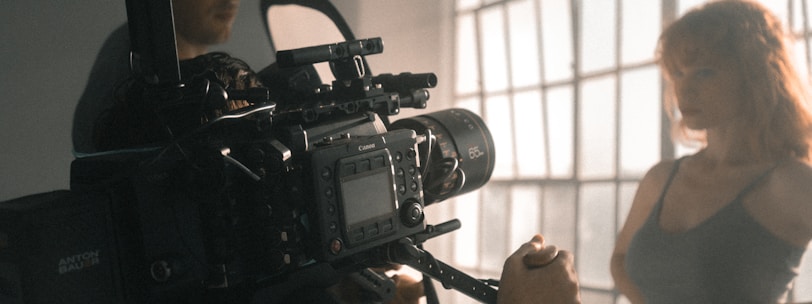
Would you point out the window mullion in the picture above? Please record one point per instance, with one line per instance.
(510, 90)
(805, 17)
(575, 5)
(548, 163)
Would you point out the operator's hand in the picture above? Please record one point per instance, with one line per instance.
(538, 274)
(409, 290)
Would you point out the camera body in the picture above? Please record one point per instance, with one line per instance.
(271, 203)
(331, 191)
(367, 192)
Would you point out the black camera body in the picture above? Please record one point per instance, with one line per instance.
(266, 204)
(352, 218)
(308, 186)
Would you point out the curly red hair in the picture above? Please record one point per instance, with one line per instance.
(749, 34)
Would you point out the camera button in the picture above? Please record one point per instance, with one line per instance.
(336, 246)
(348, 169)
(161, 271)
(411, 213)
(402, 173)
(326, 173)
(372, 230)
(328, 192)
(411, 154)
(399, 156)
(364, 165)
(386, 225)
(358, 235)
(402, 189)
(378, 162)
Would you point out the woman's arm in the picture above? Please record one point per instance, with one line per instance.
(648, 193)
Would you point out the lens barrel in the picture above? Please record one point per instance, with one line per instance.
(460, 135)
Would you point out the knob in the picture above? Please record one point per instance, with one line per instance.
(411, 213)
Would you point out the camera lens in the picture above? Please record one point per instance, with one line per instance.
(459, 158)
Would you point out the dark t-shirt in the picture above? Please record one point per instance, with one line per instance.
(729, 258)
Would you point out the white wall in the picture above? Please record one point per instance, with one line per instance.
(45, 57)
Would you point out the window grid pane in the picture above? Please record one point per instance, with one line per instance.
(467, 65)
(529, 125)
(640, 106)
(525, 214)
(559, 212)
(524, 55)
(492, 34)
(466, 239)
(556, 29)
(467, 4)
(595, 234)
(639, 38)
(598, 22)
(596, 129)
(493, 228)
(497, 116)
(561, 118)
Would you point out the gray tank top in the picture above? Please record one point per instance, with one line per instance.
(729, 258)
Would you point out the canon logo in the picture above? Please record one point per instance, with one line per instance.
(366, 147)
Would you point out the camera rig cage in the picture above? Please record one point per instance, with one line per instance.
(308, 186)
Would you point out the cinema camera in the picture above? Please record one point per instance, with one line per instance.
(308, 186)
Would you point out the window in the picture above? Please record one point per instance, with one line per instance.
(572, 95)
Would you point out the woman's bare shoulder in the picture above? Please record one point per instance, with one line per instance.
(652, 184)
(659, 173)
(793, 179)
(646, 197)
(791, 190)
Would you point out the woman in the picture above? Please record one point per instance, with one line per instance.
(730, 223)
